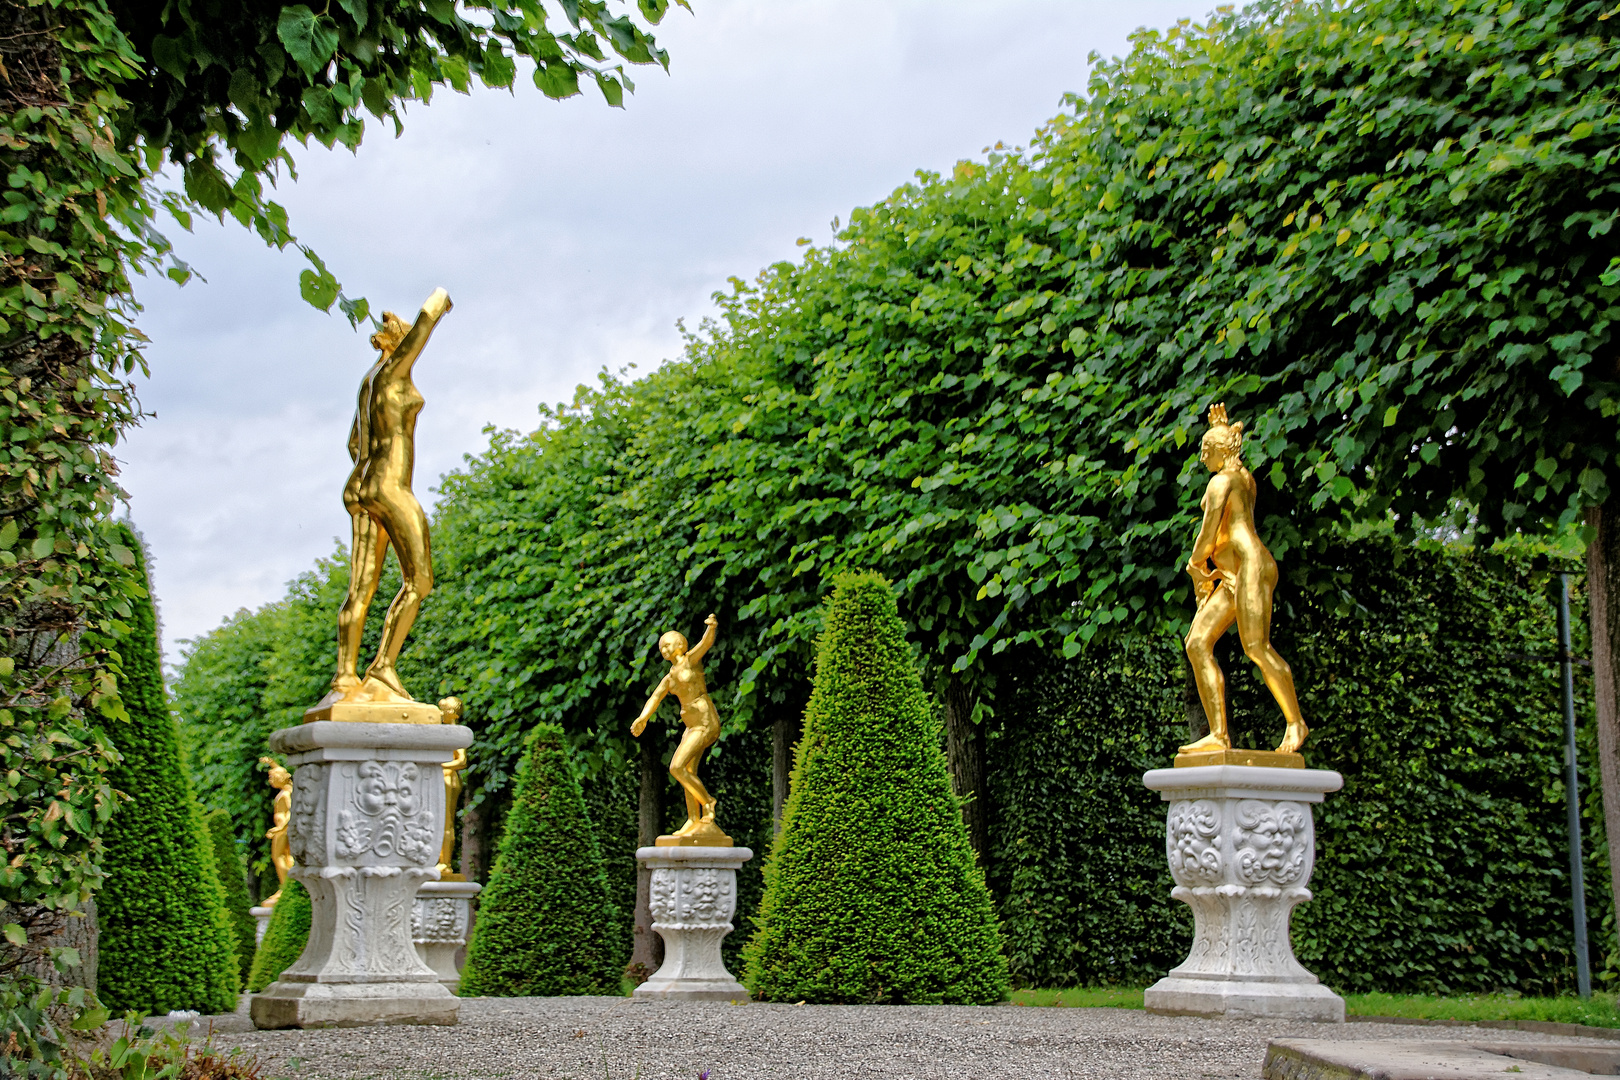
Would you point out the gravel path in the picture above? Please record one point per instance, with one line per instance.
(603, 1038)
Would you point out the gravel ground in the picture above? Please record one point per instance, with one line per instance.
(611, 1038)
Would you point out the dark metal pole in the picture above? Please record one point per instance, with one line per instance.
(1572, 793)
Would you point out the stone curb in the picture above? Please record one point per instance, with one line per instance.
(1544, 1027)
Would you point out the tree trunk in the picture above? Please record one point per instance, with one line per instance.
(964, 751)
(782, 735)
(1191, 704)
(473, 857)
(1603, 588)
(647, 950)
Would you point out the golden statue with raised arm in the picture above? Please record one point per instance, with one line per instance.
(450, 707)
(685, 681)
(1238, 590)
(280, 814)
(384, 513)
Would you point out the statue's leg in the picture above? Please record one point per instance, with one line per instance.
(367, 549)
(683, 767)
(1254, 628)
(1214, 616)
(407, 528)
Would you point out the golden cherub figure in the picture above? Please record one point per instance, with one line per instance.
(1239, 589)
(280, 814)
(685, 681)
(450, 708)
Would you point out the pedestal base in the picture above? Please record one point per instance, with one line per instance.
(1235, 1000)
(1241, 846)
(694, 893)
(439, 921)
(311, 1005)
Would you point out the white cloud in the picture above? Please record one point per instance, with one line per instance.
(571, 236)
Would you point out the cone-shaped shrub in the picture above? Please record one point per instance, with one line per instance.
(545, 922)
(284, 938)
(871, 891)
(165, 940)
(232, 879)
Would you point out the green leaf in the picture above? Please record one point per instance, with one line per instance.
(357, 11)
(611, 90)
(170, 54)
(8, 533)
(16, 934)
(318, 288)
(556, 79)
(309, 39)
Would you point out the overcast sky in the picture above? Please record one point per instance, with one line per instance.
(571, 236)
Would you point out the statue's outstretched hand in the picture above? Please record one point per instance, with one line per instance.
(711, 621)
(639, 726)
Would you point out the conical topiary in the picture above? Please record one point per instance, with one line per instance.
(545, 921)
(165, 941)
(284, 938)
(872, 894)
(232, 879)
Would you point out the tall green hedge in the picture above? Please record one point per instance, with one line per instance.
(165, 939)
(233, 879)
(546, 923)
(284, 938)
(872, 894)
(1441, 864)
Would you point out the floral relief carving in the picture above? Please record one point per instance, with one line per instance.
(1192, 841)
(1270, 842)
(306, 829)
(661, 897)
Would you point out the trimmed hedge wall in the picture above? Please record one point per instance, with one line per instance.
(284, 938)
(1441, 866)
(872, 893)
(165, 941)
(546, 924)
(233, 879)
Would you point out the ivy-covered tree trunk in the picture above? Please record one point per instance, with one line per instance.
(1603, 588)
(647, 949)
(964, 750)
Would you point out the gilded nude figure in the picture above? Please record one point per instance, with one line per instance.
(383, 509)
(1238, 589)
(685, 680)
(280, 813)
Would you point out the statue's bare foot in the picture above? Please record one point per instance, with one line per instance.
(1208, 744)
(687, 829)
(1294, 738)
(382, 684)
(708, 812)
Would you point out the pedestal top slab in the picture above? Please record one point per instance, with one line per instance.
(332, 740)
(729, 856)
(449, 890)
(1242, 782)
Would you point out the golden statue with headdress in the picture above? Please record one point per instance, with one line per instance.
(1236, 589)
(384, 513)
(280, 813)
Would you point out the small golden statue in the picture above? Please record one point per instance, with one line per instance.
(384, 513)
(450, 708)
(280, 814)
(1238, 590)
(685, 681)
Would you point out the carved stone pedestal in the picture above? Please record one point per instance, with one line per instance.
(694, 893)
(1241, 845)
(261, 916)
(439, 926)
(367, 819)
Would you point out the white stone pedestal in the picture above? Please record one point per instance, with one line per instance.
(367, 820)
(439, 921)
(261, 916)
(694, 894)
(1241, 845)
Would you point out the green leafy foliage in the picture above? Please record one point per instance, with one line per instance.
(1441, 866)
(872, 894)
(233, 880)
(165, 940)
(284, 938)
(545, 921)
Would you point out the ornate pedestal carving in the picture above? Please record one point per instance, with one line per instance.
(694, 893)
(261, 916)
(1241, 845)
(439, 926)
(367, 816)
